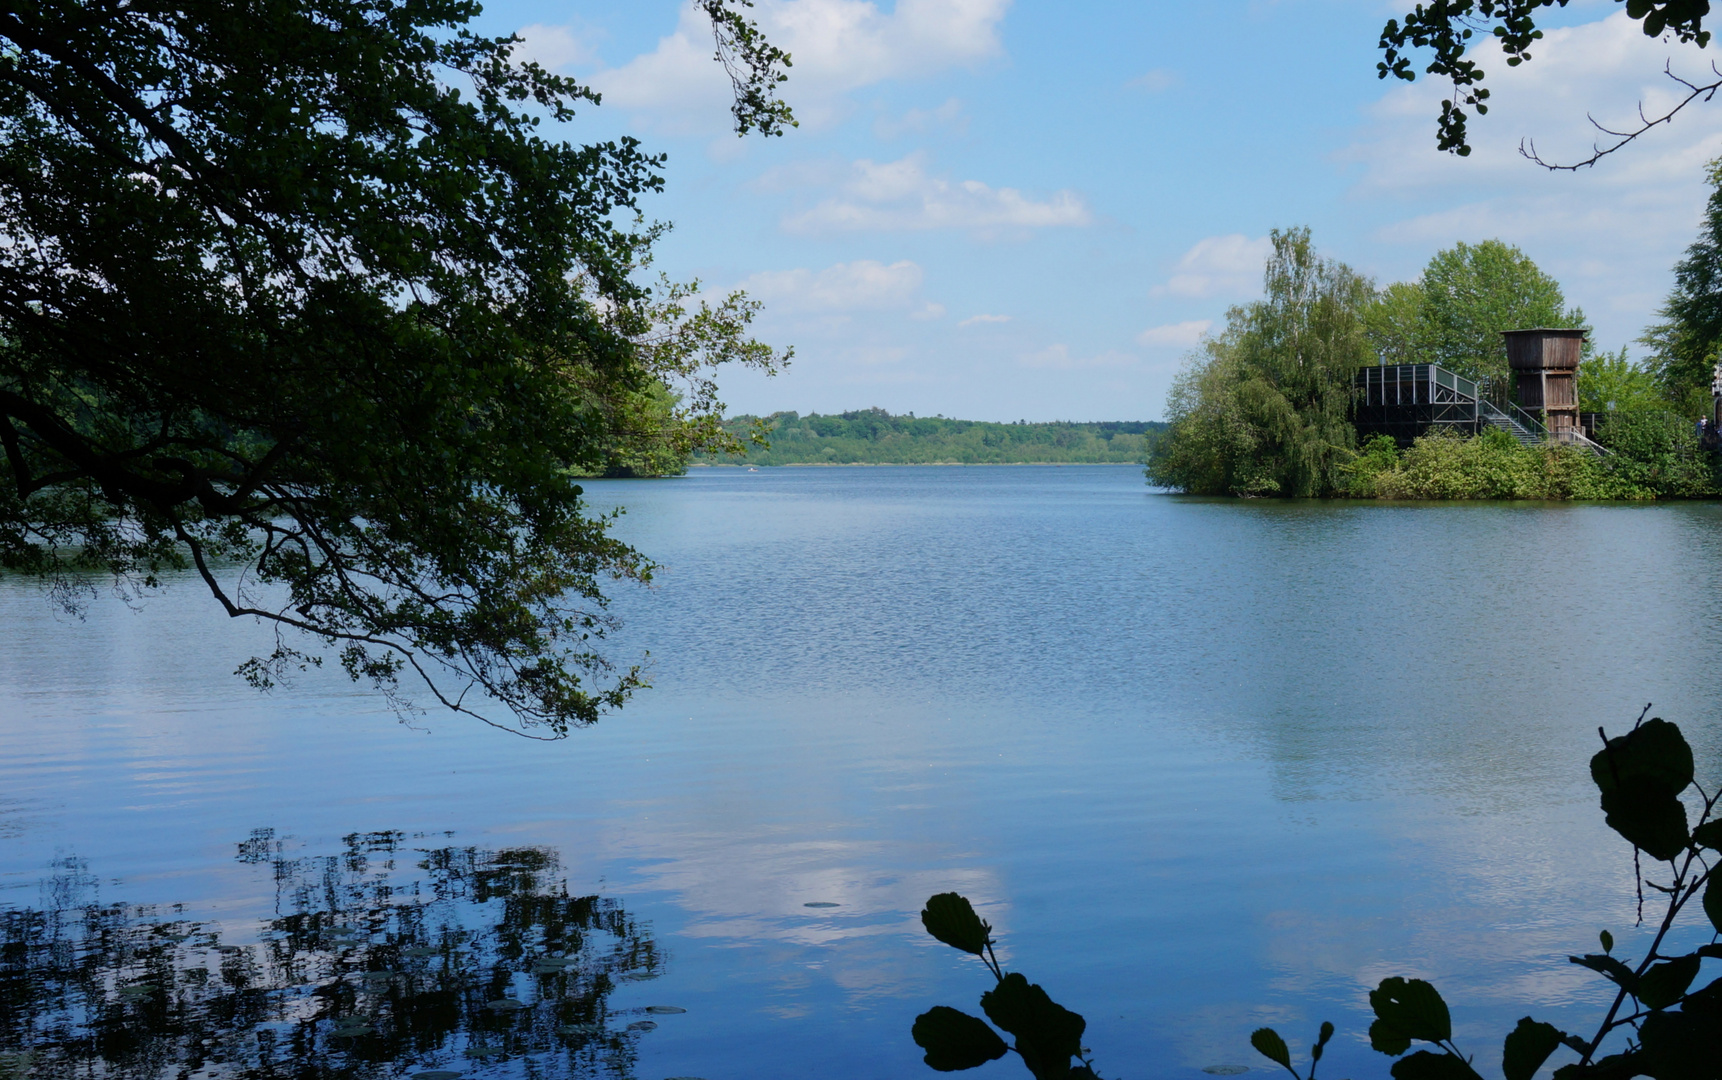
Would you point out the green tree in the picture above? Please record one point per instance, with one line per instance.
(1394, 321)
(1609, 381)
(1263, 408)
(1472, 292)
(296, 293)
(1686, 341)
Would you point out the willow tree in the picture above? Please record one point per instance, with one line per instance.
(297, 293)
(1263, 408)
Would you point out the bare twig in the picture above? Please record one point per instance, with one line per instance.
(1707, 91)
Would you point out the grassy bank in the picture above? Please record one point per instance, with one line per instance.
(876, 437)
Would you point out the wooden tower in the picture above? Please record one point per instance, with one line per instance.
(1546, 362)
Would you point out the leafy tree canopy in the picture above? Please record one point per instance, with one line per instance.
(1686, 342)
(1610, 382)
(1454, 315)
(1262, 409)
(1448, 28)
(296, 292)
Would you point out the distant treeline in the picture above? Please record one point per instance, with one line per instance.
(875, 437)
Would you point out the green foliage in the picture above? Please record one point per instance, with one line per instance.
(1262, 409)
(1685, 343)
(950, 918)
(296, 294)
(1527, 1047)
(1447, 28)
(1407, 1010)
(1655, 456)
(1609, 382)
(655, 430)
(1395, 323)
(1047, 1035)
(1641, 775)
(954, 1040)
(1270, 1045)
(1669, 1031)
(876, 437)
(1490, 466)
(1454, 314)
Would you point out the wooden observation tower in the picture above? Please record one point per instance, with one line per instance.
(1546, 362)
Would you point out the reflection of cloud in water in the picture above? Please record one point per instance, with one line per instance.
(749, 889)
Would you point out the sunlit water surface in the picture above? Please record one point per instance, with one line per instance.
(1204, 765)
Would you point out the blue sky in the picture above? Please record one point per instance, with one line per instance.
(1025, 210)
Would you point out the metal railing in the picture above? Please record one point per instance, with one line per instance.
(1435, 388)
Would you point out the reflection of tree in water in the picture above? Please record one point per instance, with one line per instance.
(379, 962)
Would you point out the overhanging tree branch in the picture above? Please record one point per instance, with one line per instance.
(1695, 92)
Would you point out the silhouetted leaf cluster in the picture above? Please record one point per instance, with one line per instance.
(1671, 1032)
(1047, 1035)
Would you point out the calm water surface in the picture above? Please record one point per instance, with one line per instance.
(1203, 764)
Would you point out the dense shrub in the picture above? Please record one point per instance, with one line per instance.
(1657, 451)
(1654, 457)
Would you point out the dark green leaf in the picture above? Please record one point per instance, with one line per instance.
(1047, 1034)
(950, 918)
(1426, 1066)
(1708, 835)
(1713, 900)
(1407, 1010)
(955, 1040)
(1654, 757)
(1614, 1067)
(1607, 940)
(1664, 983)
(1648, 819)
(1616, 972)
(1268, 1043)
(1528, 1046)
(1681, 1046)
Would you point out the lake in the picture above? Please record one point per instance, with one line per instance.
(1203, 764)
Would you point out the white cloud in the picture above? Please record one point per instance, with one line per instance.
(1182, 334)
(900, 196)
(1219, 266)
(975, 320)
(863, 285)
(1604, 69)
(1058, 357)
(554, 47)
(838, 46)
(947, 117)
(1609, 233)
(1154, 81)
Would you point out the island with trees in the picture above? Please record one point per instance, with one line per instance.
(1267, 406)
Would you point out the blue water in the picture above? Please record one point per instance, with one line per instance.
(1204, 765)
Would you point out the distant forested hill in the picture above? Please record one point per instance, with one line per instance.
(875, 437)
